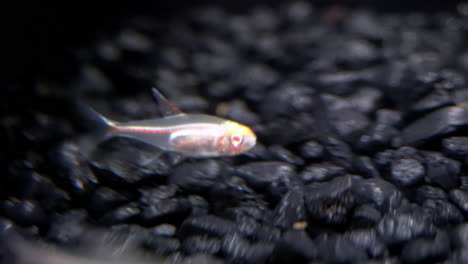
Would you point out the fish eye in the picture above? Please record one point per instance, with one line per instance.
(236, 140)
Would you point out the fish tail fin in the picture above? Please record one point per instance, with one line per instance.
(100, 126)
(104, 127)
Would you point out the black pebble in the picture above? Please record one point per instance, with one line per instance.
(259, 152)
(263, 174)
(166, 230)
(356, 53)
(319, 172)
(93, 79)
(210, 17)
(438, 98)
(67, 229)
(384, 195)
(330, 202)
(235, 191)
(338, 152)
(174, 58)
(427, 250)
(295, 246)
(248, 226)
(285, 155)
(429, 192)
(366, 216)
(287, 100)
(162, 245)
(72, 167)
(129, 161)
(266, 233)
(441, 170)
(460, 96)
(339, 249)
(121, 214)
(380, 134)
(199, 258)
(389, 117)
(6, 225)
(290, 209)
(148, 196)
(208, 225)
(238, 249)
(459, 256)
(311, 150)
(383, 160)
(456, 147)
(201, 244)
(103, 198)
(338, 82)
(460, 236)
(256, 78)
(397, 228)
(26, 183)
(368, 239)
(460, 198)
(364, 166)
(288, 131)
(367, 25)
(221, 89)
(134, 41)
(347, 120)
(407, 172)
(238, 111)
(435, 124)
(164, 209)
(298, 12)
(207, 65)
(24, 212)
(197, 176)
(443, 213)
(366, 100)
(198, 205)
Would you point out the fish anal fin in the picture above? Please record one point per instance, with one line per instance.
(165, 107)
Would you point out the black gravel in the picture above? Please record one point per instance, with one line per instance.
(360, 113)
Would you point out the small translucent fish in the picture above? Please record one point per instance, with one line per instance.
(194, 135)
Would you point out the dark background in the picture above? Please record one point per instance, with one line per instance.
(40, 36)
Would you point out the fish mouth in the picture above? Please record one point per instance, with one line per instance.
(250, 142)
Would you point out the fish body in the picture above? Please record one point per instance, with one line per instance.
(194, 135)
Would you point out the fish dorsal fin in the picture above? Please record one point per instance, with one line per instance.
(165, 107)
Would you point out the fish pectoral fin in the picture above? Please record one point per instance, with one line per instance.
(165, 107)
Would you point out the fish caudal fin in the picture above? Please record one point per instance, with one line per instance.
(102, 127)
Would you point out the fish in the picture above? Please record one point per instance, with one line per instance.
(192, 135)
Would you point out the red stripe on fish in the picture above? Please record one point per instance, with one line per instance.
(150, 130)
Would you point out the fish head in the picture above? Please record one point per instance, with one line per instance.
(239, 138)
